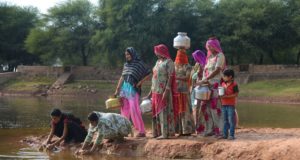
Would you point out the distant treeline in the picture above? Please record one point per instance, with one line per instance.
(80, 33)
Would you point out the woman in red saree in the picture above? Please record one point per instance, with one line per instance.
(164, 94)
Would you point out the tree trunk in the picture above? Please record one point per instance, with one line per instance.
(83, 55)
(261, 59)
(272, 57)
(298, 57)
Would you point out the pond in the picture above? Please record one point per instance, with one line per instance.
(24, 116)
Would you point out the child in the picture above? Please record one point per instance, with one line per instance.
(228, 103)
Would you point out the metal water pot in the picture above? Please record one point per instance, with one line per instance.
(221, 91)
(202, 93)
(182, 41)
(146, 106)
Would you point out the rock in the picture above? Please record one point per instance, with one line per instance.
(56, 87)
(93, 90)
(44, 94)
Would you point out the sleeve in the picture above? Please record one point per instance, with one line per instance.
(220, 60)
(170, 67)
(89, 137)
(188, 70)
(99, 138)
(235, 89)
(66, 120)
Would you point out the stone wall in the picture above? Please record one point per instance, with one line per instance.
(40, 71)
(251, 73)
(4, 77)
(244, 73)
(78, 72)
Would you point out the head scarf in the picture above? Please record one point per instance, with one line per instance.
(133, 54)
(214, 43)
(181, 57)
(162, 50)
(200, 57)
(135, 69)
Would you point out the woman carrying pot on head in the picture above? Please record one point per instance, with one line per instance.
(212, 75)
(135, 72)
(183, 71)
(196, 75)
(164, 94)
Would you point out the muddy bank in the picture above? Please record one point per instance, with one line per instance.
(266, 143)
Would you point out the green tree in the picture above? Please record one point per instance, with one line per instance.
(66, 33)
(15, 24)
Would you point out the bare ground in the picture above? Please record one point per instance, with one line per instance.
(251, 144)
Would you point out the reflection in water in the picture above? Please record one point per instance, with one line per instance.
(25, 116)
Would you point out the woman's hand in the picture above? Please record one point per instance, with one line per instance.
(117, 92)
(50, 146)
(139, 84)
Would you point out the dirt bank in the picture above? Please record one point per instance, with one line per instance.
(251, 144)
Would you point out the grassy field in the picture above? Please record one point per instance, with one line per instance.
(271, 88)
(23, 84)
(289, 88)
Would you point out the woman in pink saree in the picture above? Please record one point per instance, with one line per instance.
(212, 75)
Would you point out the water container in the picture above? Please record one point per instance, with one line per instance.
(221, 91)
(182, 41)
(202, 93)
(146, 106)
(113, 103)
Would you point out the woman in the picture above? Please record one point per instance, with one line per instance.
(135, 72)
(212, 75)
(183, 71)
(196, 75)
(67, 127)
(164, 94)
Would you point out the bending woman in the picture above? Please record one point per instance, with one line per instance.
(67, 127)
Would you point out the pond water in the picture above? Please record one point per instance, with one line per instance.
(25, 116)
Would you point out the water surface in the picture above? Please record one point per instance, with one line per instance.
(25, 116)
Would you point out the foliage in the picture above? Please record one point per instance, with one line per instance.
(15, 23)
(65, 33)
(250, 31)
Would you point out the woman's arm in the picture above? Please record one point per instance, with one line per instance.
(65, 132)
(50, 135)
(230, 96)
(143, 80)
(149, 95)
(214, 73)
(119, 86)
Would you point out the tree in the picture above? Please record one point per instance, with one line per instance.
(66, 33)
(15, 24)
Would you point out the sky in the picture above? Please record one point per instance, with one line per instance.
(42, 5)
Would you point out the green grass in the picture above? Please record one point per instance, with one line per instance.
(271, 88)
(27, 84)
(91, 84)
